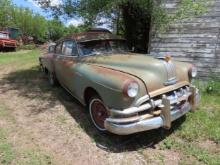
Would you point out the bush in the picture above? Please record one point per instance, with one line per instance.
(27, 47)
(210, 86)
(213, 86)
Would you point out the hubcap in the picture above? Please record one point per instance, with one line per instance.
(98, 113)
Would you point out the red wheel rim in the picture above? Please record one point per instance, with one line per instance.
(99, 114)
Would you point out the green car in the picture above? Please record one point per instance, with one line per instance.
(125, 92)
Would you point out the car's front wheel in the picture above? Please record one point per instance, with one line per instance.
(98, 113)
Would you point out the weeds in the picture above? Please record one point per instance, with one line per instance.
(7, 154)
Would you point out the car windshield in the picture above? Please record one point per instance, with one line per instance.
(4, 35)
(102, 46)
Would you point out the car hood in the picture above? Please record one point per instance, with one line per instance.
(7, 40)
(150, 70)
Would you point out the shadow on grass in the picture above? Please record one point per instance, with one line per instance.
(32, 84)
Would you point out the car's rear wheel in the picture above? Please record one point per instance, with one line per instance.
(98, 113)
(52, 79)
(42, 68)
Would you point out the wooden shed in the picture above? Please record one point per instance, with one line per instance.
(195, 40)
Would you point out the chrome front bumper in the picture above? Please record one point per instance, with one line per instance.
(169, 114)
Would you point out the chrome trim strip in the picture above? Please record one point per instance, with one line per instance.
(123, 120)
(171, 81)
(142, 100)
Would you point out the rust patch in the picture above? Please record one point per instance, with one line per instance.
(66, 67)
(122, 57)
(48, 56)
(119, 76)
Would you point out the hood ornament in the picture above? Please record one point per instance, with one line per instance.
(170, 68)
(166, 57)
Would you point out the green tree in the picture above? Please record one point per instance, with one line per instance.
(55, 29)
(76, 29)
(131, 18)
(29, 24)
(5, 8)
(39, 28)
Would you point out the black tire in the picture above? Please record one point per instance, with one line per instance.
(52, 79)
(41, 68)
(98, 113)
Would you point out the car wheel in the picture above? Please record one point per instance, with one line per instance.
(52, 79)
(42, 68)
(98, 113)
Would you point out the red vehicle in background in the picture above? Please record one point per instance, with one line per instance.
(6, 43)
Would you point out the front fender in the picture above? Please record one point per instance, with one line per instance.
(109, 84)
(182, 71)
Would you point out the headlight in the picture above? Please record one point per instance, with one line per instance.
(193, 71)
(131, 89)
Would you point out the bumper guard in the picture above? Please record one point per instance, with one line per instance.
(168, 114)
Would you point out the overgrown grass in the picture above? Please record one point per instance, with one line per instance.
(204, 123)
(191, 149)
(32, 157)
(27, 47)
(20, 57)
(210, 86)
(7, 153)
(20, 60)
(200, 126)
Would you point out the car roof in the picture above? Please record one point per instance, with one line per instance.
(91, 36)
(99, 30)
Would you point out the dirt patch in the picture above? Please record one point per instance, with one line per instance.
(210, 146)
(56, 123)
(168, 157)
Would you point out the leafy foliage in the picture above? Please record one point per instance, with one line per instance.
(33, 25)
(29, 23)
(55, 29)
(5, 13)
(131, 18)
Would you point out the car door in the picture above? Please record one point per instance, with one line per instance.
(58, 57)
(66, 64)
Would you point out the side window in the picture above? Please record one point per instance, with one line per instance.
(51, 49)
(69, 48)
(58, 48)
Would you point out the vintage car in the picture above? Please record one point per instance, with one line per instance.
(6, 43)
(125, 92)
